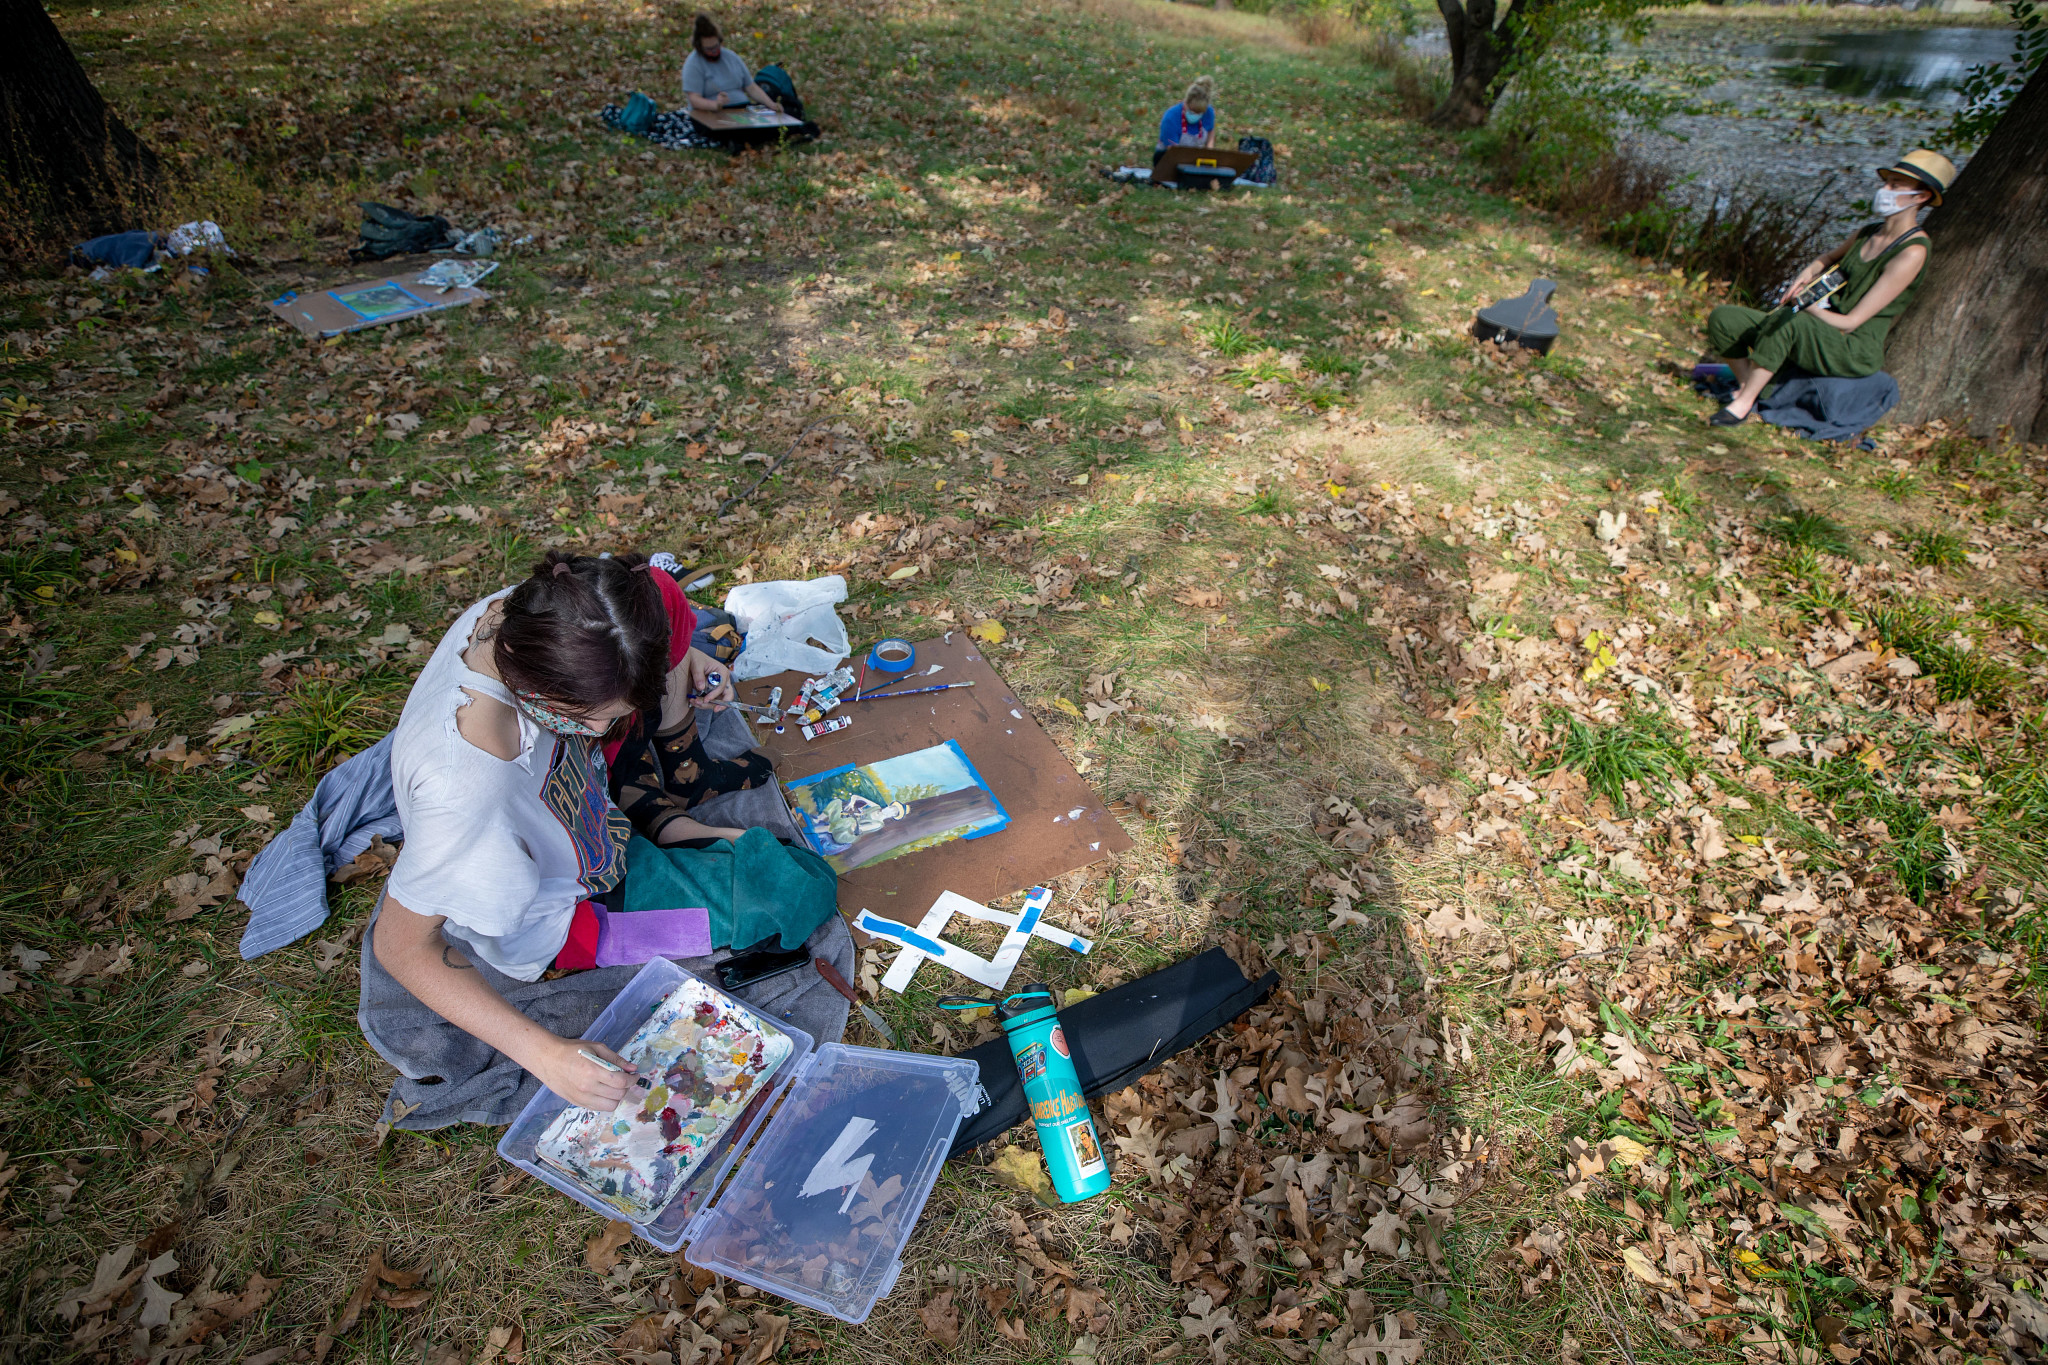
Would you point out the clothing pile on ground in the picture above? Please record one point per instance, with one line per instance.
(151, 251)
(673, 129)
(388, 232)
(1820, 407)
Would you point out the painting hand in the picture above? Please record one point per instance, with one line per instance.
(564, 1069)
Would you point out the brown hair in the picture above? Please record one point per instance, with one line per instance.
(701, 30)
(585, 632)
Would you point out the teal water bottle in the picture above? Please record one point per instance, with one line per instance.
(1066, 1130)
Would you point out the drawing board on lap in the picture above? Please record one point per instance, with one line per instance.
(1056, 821)
(737, 117)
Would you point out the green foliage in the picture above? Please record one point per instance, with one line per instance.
(1567, 95)
(1936, 549)
(1801, 528)
(1896, 484)
(1988, 91)
(1638, 748)
(1226, 338)
(1959, 671)
(1264, 369)
(1915, 846)
(320, 722)
(28, 576)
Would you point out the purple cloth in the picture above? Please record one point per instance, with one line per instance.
(627, 940)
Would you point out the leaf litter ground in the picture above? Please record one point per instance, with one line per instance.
(1643, 821)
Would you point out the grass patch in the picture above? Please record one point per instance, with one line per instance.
(1936, 550)
(1805, 529)
(1628, 760)
(317, 724)
(1227, 339)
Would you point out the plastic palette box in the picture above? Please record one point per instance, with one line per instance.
(817, 1186)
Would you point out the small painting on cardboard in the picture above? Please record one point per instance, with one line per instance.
(870, 812)
(375, 302)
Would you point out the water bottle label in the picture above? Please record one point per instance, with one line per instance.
(1088, 1159)
(1031, 1061)
(1059, 1041)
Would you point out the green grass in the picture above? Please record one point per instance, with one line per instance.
(316, 725)
(1805, 529)
(1225, 337)
(1936, 550)
(1636, 749)
(1927, 636)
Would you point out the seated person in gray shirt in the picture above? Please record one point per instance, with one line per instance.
(714, 77)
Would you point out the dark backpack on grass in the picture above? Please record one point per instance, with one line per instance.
(777, 82)
(387, 231)
(1263, 173)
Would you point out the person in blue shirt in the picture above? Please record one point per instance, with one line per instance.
(1192, 122)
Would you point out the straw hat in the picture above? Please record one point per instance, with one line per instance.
(1931, 169)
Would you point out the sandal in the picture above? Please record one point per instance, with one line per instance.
(1724, 418)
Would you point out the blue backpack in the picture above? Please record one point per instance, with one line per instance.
(638, 115)
(777, 82)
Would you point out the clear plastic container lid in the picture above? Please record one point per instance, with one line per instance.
(819, 1211)
(615, 1027)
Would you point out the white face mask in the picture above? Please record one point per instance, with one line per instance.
(1889, 201)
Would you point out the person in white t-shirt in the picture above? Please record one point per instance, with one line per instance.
(500, 780)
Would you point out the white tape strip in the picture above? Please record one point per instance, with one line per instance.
(992, 973)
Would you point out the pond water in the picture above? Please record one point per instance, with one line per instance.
(1922, 65)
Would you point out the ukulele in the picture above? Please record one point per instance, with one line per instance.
(1526, 320)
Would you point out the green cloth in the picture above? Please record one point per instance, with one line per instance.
(1781, 335)
(753, 886)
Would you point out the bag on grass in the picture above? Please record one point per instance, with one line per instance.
(788, 625)
(1263, 173)
(638, 115)
(387, 231)
(777, 82)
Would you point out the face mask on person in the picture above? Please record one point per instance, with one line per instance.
(547, 718)
(1889, 201)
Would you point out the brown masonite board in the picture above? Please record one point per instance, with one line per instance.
(1057, 821)
(742, 118)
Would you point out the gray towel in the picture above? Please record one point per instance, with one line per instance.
(446, 1076)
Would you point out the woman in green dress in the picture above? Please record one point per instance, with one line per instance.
(1843, 337)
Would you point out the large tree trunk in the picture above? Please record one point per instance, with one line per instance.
(66, 160)
(1479, 50)
(1973, 349)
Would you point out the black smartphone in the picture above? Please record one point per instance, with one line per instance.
(759, 963)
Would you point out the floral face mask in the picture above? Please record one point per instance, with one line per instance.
(547, 718)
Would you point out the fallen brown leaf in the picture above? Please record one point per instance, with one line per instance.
(942, 1319)
(601, 1250)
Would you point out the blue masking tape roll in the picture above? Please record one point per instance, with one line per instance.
(892, 656)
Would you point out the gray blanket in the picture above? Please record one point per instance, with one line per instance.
(1829, 409)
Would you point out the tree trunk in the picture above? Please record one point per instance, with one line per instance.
(921, 820)
(1973, 349)
(67, 161)
(1478, 52)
